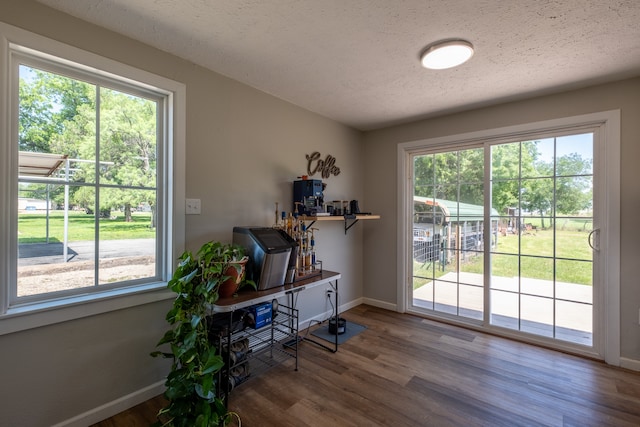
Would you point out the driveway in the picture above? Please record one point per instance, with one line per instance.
(52, 253)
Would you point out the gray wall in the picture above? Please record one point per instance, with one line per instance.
(244, 149)
(380, 153)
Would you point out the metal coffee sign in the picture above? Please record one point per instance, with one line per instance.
(326, 167)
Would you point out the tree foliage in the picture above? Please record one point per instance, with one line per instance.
(47, 102)
(454, 175)
(521, 178)
(60, 115)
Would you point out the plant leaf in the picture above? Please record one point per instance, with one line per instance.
(195, 321)
(167, 338)
(213, 364)
(161, 354)
(200, 392)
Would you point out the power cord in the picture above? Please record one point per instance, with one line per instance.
(320, 322)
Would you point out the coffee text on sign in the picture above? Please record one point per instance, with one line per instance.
(327, 166)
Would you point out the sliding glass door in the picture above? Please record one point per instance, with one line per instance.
(501, 235)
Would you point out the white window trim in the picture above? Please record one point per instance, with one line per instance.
(44, 313)
(609, 123)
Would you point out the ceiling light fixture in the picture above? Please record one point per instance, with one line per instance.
(446, 54)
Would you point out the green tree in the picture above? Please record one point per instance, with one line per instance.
(58, 115)
(505, 186)
(128, 149)
(520, 178)
(454, 175)
(536, 194)
(47, 102)
(471, 176)
(574, 189)
(35, 119)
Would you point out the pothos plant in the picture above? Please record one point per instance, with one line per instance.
(191, 384)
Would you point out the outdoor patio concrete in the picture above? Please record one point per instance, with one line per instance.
(573, 304)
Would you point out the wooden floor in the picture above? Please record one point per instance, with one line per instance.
(408, 371)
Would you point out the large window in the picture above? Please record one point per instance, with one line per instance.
(87, 182)
(89, 150)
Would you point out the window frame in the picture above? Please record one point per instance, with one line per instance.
(20, 315)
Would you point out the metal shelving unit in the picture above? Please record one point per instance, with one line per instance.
(249, 352)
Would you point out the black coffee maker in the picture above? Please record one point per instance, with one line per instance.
(308, 196)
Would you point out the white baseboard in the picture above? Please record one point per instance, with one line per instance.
(380, 304)
(356, 302)
(304, 324)
(631, 364)
(114, 407)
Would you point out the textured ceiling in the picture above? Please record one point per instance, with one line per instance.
(357, 61)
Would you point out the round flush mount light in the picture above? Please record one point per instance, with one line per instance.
(446, 54)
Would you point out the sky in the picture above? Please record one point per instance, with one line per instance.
(581, 144)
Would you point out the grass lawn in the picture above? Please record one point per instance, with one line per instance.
(573, 223)
(536, 250)
(32, 227)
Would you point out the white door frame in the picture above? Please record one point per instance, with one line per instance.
(606, 202)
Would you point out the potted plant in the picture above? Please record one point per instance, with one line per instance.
(191, 384)
(231, 261)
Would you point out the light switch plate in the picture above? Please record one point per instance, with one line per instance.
(193, 206)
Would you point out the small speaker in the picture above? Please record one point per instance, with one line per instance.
(338, 327)
(353, 207)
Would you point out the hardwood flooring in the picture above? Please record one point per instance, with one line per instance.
(143, 414)
(408, 371)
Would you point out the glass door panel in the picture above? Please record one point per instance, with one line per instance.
(542, 266)
(448, 233)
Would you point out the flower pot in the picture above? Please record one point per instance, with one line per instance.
(236, 272)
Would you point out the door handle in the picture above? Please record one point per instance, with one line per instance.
(597, 241)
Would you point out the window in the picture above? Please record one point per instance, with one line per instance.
(89, 148)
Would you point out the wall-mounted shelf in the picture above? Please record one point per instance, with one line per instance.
(349, 220)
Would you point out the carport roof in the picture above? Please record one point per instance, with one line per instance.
(39, 164)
